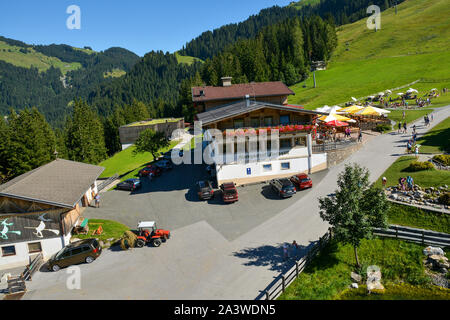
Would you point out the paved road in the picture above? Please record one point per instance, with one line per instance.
(200, 263)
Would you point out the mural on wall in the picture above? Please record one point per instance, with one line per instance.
(29, 227)
(41, 227)
(5, 231)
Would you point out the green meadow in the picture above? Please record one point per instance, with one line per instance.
(412, 45)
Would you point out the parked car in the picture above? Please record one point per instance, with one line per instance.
(164, 165)
(302, 181)
(205, 190)
(155, 170)
(129, 185)
(84, 251)
(229, 193)
(283, 187)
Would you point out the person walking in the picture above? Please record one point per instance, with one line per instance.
(285, 252)
(416, 151)
(384, 182)
(296, 247)
(405, 127)
(97, 200)
(360, 136)
(399, 127)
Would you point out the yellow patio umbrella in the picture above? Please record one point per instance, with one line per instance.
(333, 117)
(351, 109)
(369, 111)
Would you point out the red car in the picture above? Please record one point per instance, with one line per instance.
(301, 181)
(229, 193)
(150, 169)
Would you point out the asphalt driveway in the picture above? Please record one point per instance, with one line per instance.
(172, 202)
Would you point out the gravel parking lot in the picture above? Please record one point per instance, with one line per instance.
(171, 200)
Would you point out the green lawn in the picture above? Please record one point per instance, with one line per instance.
(427, 178)
(437, 140)
(154, 121)
(186, 59)
(32, 58)
(328, 275)
(411, 45)
(398, 292)
(410, 116)
(125, 163)
(111, 230)
(417, 218)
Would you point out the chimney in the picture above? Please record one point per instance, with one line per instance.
(226, 81)
(247, 100)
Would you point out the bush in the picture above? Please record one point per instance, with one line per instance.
(383, 128)
(445, 199)
(443, 158)
(128, 240)
(420, 166)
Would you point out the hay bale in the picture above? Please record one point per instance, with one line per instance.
(128, 240)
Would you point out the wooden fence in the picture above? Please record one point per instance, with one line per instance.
(34, 265)
(425, 237)
(107, 182)
(287, 278)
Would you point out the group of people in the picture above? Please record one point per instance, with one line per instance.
(411, 146)
(287, 248)
(428, 119)
(406, 184)
(422, 103)
(402, 128)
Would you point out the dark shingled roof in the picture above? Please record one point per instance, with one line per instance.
(60, 183)
(243, 107)
(239, 91)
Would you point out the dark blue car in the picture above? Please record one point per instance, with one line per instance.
(129, 185)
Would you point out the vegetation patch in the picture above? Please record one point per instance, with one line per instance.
(328, 275)
(443, 158)
(413, 217)
(426, 178)
(436, 140)
(398, 292)
(111, 230)
(420, 166)
(126, 163)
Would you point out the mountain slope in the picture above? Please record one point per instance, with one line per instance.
(49, 77)
(411, 45)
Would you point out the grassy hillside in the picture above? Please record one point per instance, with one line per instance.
(28, 57)
(186, 59)
(412, 45)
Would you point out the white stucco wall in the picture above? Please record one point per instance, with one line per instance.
(22, 256)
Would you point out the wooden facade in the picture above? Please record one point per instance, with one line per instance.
(208, 105)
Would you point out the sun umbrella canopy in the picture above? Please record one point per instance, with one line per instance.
(411, 90)
(434, 89)
(354, 99)
(388, 91)
(351, 109)
(337, 123)
(371, 111)
(381, 94)
(333, 117)
(400, 93)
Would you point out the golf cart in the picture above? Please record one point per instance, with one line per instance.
(148, 233)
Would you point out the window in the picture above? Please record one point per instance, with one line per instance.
(8, 251)
(34, 247)
(268, 121)
(267, 167)
(284, 120)
(238, 124)
(76, 251)
(285, 165)
(285, 143)
(254, 122)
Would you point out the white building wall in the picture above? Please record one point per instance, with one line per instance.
(22, 256)
(256, 169)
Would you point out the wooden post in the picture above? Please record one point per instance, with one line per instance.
(283, 282)
(423, 237)
(396, 232)
(296, 269)
(267, 295)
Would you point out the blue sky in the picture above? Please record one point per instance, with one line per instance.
(137, 25)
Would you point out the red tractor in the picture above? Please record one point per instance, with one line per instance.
(148, 233)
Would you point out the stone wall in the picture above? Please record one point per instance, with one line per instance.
(337, 156)
(129, 134)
